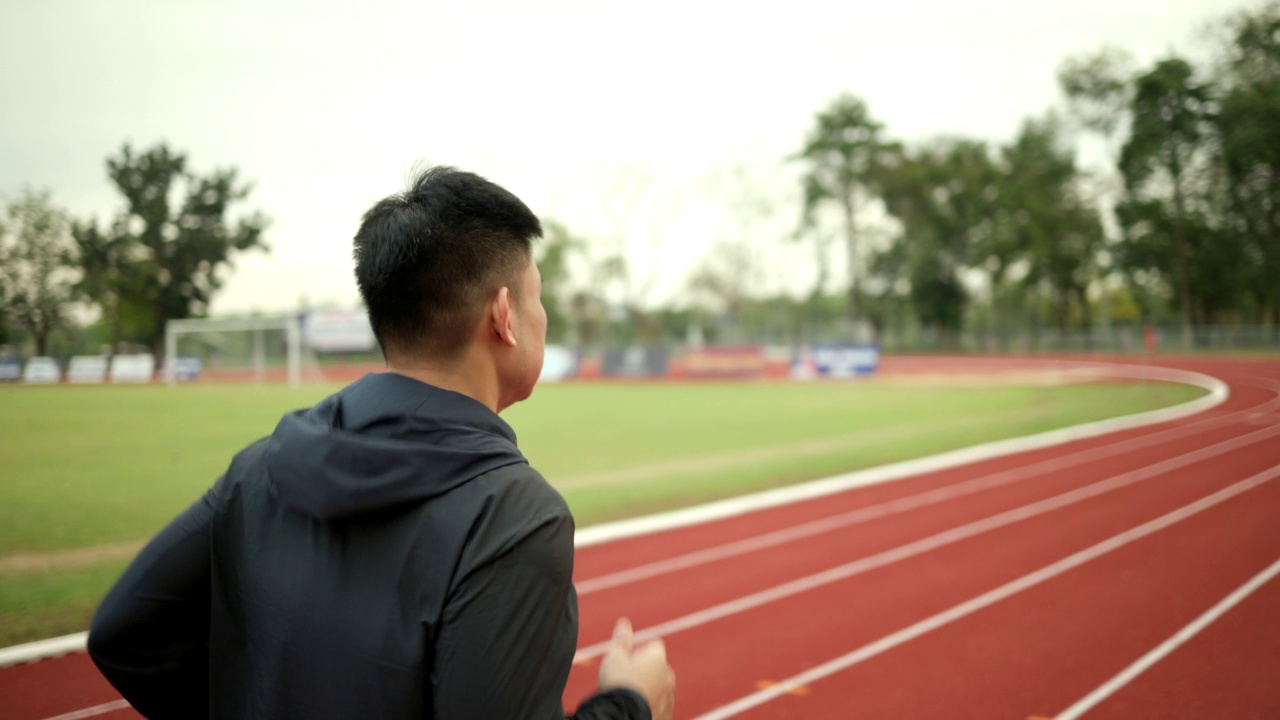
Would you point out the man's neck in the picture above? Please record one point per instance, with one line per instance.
(465, 378)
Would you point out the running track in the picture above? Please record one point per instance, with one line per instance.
(1131, 575)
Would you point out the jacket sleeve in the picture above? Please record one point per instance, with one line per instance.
(149, 637)
(507, 638)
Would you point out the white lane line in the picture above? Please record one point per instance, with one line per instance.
(893, 507)
(40, 649)
(933, 542)
(742, 504)
(1141, 664)
(94, 711)
(986, 599)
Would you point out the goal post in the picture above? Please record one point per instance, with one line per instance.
(259, 327)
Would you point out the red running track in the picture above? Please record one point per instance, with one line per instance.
(1134, 575)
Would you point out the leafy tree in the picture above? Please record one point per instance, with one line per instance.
(36, 265)
(1052, 225)
(574, 284)
(555, 254)
(842, 154)
(1168, 138)
(174, 236)
(112, 279)
(1248, 124)
(1099, 90)
(937, 295)
(945, 197)
(6, 332)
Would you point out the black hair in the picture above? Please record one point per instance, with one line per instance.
(427, 260)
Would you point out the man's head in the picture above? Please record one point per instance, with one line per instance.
(446, 271)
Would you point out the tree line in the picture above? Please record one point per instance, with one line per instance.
(161, 257)
(1180, 223)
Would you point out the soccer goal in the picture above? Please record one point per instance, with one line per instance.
(257, 349)
(318, 345)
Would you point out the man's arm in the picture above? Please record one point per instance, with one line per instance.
(507, 639)
(150, 634)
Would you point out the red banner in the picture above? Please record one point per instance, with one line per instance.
(721, 361)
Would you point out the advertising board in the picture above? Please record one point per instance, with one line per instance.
(724, 361)
(635, 362)
(836, 360)
(338, 331)
(188, 368)
(10, 369)
(87, 369)
(558, 363)
(41, 371)
(132, 368)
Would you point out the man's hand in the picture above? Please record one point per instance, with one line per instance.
(642, 669)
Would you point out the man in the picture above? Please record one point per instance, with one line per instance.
(388, 553)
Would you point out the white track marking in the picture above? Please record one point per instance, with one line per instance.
(986, 599)
(1163, 649)
(1218, 393)
(899, 505)
(40, 649)
(933, 542)
(94, 711)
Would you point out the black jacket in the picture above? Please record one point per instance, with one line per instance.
(388, 553)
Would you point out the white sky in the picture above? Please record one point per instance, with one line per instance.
(327, 106)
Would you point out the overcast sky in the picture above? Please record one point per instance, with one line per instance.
(327, 106)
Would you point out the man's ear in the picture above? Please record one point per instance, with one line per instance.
(500, 317)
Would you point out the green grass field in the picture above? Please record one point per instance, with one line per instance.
(89, 469)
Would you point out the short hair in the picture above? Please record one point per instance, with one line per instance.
(427, 260)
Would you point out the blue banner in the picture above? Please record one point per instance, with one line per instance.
(10, 369)
(835, 360)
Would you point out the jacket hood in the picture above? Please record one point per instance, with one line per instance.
(384, 442)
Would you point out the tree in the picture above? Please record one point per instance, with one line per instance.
(1168, 137)
(5, 330)
(1248, 124)
(174, 237)
(944, 195)
(842, 154)
(36, 265)
(1053, 226)
(748, 195)
(574, 284)
(1099, 90)
(555, 255)
(726, 278)
(636, 212)
(111, 278)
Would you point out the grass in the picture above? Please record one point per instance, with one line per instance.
(51, 603)
(87, 466)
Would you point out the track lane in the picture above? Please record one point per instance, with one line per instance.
(56, 686)
(740, 576)
(1038, 651)
(870, 508)
(1228, 670)
(770, 641)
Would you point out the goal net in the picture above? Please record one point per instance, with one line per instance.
(316, 346)
(258, 349)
